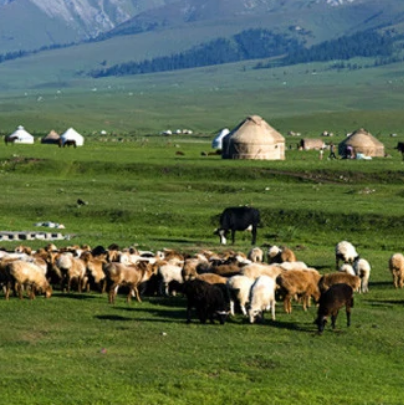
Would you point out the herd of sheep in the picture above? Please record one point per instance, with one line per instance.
(215, 285)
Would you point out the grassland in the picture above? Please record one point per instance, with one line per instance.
(77, 349)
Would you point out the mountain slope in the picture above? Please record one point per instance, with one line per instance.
(31, 24)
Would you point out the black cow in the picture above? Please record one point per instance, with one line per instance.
(209, 300)
(238, 219)
(400, 148)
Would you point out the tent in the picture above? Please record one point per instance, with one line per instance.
(217, 142)
(254, 138)
(362, 142)
(72, 135)
(20, 135)
(52, 138)
(312, 144)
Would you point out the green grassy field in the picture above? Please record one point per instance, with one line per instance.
(78, 349)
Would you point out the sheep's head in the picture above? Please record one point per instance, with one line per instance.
(273, 251)
(222, 316)
(255, 315)
(321, 322)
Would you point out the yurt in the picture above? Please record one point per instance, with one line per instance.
(217, 143)
(20, 135)
(254, 138)
(52, 138)
(72, 135)
(312, 144)
(362, 142)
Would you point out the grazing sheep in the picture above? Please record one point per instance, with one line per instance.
(293, 266)
(71, 268)
(212, 278)
(327, 280)
(362, 269)
(255, 270)
(168, 273)
(94, 271)
(396, 266)
(262, 298)
(280, 254)
(209, 301)
(20, 273)
(346, 252)
(239, 291)
(118, 274)
(347, 268)
(298, 284)
(256, 255)
(330, 303)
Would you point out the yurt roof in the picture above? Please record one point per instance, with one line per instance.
(71, 133)
(52, 135)
(21, 133)
(362, 138)
(255, 130)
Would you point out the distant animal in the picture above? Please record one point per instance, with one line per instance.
(396, 267)
(69, 142)
(330, 303)
(179, 153)
(400, 148)
(10, 139)
(81, 202)
(235, 219)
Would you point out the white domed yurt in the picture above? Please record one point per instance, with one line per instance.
(20, 135)
(72, 135)
(217, 143)
(254, 138)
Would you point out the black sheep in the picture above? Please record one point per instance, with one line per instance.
(209, 300)
(330, 303)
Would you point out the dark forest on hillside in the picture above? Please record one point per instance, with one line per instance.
(261, 44)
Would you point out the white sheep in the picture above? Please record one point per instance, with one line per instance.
(262, 298)
(169, 273)
(346, 252)
(293, 266)
(362, 270)
(256, 255)
(239, 290)
(347, 268)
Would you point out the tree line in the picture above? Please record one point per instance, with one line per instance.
(248, 44)
(361, 44)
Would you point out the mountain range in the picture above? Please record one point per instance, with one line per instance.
(32, 24)
(82, 38)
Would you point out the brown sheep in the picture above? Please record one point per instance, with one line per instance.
(280, 254)
(118, 274)
(396, 267)
(212, 278)
(20, 273)
(330, 303)
(327, 280)
(95, 272)
(299, 284)
(255, 270)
